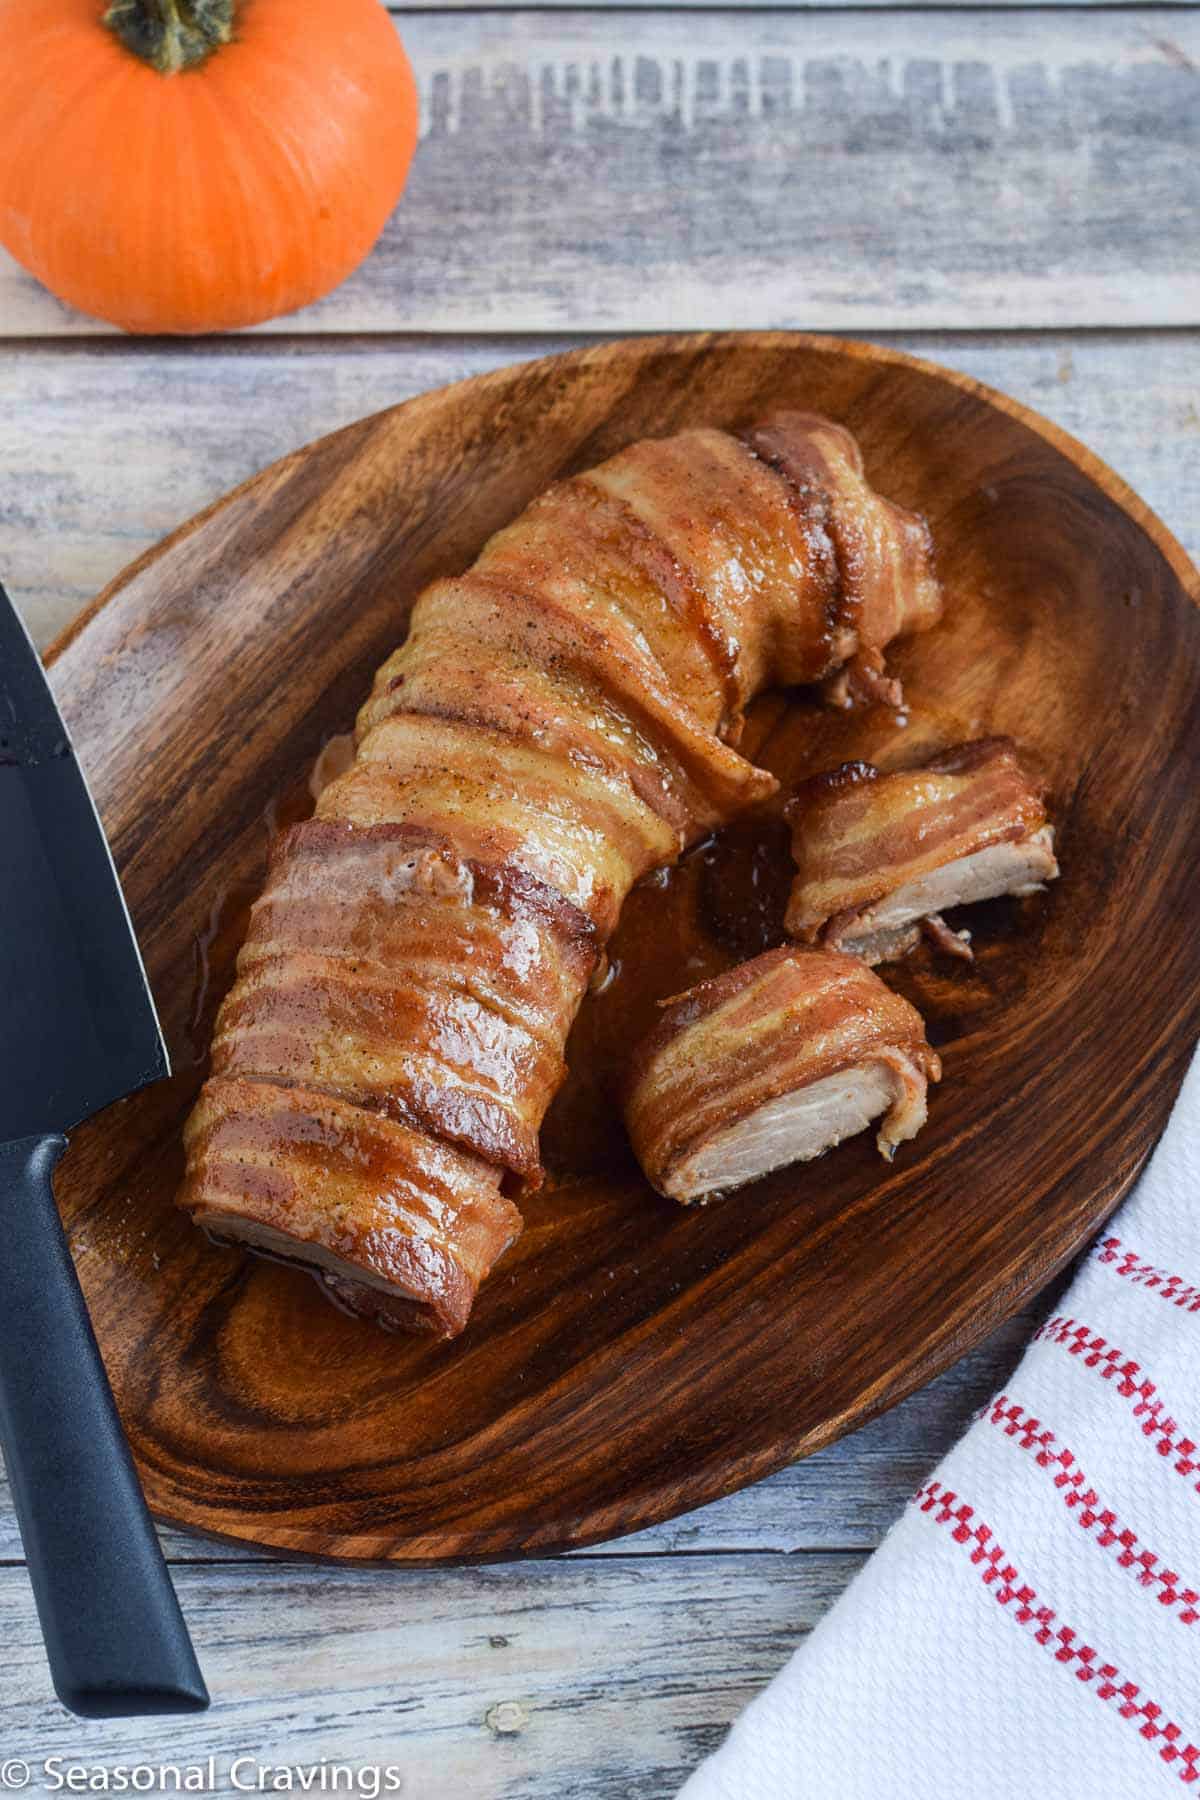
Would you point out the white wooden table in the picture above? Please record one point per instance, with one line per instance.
(1013, 192)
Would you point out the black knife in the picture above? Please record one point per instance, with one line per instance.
(77, 1031)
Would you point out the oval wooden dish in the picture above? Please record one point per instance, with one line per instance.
(630, 1358)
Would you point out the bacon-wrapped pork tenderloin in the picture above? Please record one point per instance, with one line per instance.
(395, 1223)
(382, 967)
(880, 557)
(560, 722)
(772, 1063)
(879, 858)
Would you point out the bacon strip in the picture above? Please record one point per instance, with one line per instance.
(559, 723)
(878, 856)
(885, 584)
(303, 1177)
(385, 969)
(771, 1063)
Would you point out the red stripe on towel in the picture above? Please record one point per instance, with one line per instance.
(1088, 1511)
(1004, 1584)
(1167, 1286)
(1112, 1364)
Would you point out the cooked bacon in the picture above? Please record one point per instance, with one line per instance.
(382, 967)
(879, 856)
(773, 1063)
(413, 1223)
(885, 583)
(951, 943)
(532, 737)
(558, 724)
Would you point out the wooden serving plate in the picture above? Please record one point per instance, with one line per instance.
(630, 1359)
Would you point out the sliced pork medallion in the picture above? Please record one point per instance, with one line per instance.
(396, 1224)
(560, 722)
(773, 1063)
(383, 968)
(879, 858)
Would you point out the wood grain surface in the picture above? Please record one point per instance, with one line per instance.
(625, 170)
(630, 1360)
(404, 12)
(841, 1498)
(107, 446)
(562, 1683)
(103, 447)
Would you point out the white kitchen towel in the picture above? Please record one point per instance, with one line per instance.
(1031, 1625)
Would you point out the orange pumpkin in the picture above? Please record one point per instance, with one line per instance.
(196, 165)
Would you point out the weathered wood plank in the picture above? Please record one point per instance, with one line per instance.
(106, 446)
(897, 169)
(404, 12)
(555, 1679)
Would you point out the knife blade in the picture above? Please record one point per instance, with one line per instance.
(78, 1030)
(67, 953)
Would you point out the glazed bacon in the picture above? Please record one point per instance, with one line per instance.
(383, 967)
(772, 1063)
(394, 1222)
(560, 722)
(880, 857)
(881, 558)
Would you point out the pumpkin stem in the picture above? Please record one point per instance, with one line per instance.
(171, 35)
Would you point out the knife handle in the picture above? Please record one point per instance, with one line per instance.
(115, 1637)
